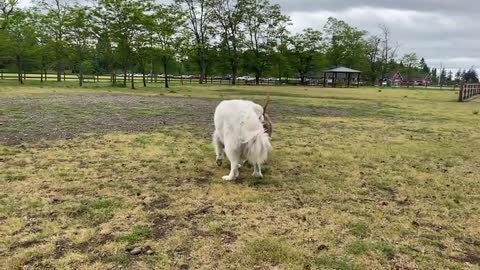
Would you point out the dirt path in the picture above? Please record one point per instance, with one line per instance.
(33, 118)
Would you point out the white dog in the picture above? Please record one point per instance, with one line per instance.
(242, 132)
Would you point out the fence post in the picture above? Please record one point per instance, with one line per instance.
(460, 96)
(1, 74)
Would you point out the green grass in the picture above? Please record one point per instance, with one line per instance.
(138, 233)
(358, 179)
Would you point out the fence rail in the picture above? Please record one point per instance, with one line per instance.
(156, 78)
(469, 91)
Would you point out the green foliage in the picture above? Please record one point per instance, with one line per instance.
(305, 49)
(345, 44)
(219, 37)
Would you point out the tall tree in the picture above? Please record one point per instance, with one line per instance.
(411, 63)
(279, 61)
(305, 47)
(77, 35)
(423, 66)
(344, 44)
(373, 51)
(126, 22)
(229, 17)
(21, 40)
(55, 28)
(389, 49)
(443, 77)
(168, 22)
(264, 26)
(200, 16)
(449, 77)
(458, 76)
(471, 75)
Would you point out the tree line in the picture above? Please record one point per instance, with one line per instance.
(224, 38)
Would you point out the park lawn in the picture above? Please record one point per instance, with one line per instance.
(358, 179)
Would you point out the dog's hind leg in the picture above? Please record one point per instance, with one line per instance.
(233, 155)
(219, 149)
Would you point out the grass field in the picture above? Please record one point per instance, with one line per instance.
(107, 178)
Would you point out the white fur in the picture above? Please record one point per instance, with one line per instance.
(239, 134)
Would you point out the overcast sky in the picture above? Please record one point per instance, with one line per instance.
(445, 32)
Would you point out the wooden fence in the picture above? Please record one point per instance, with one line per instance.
(156, 78)
(469, 91)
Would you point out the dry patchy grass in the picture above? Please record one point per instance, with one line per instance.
(359, 179)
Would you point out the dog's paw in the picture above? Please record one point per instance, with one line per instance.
(257, 175)
(228, 178)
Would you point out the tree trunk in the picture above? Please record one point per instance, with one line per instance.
(204, 72)
(144, 78)
(151, 72)
(257, 78)
(45, 74)
(234, 74)
(203, 69)
(81, 78)
(132, 81)
(59, 72)
(279, 76)
(19, 69)
(125, 77)
(165, 71)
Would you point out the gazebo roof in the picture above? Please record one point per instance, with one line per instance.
(343, 70)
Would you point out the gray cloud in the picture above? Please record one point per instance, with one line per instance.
(442, 31)
(447, 6)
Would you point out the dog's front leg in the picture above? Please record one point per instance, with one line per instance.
(257, 171)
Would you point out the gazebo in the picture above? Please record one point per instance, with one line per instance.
(347, 72)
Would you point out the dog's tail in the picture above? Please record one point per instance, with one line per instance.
(256, 150)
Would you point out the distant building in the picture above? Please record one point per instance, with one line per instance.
(397, 80)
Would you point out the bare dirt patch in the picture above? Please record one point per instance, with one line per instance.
(56, 116)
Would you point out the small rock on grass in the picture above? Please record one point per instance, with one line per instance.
(136, 251)
(148, 250)
(131, 247)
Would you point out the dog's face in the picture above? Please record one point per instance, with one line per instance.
(267, 125)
